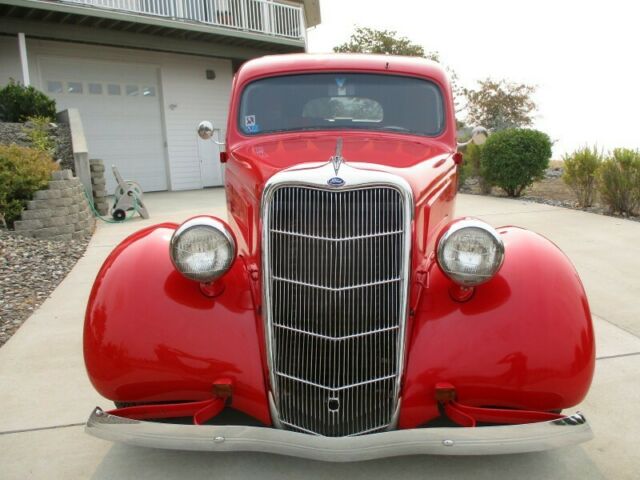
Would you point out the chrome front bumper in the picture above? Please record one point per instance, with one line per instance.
(531, 437)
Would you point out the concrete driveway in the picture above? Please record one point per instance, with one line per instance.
(45, 396)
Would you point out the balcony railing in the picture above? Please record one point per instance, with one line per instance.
(260, 16)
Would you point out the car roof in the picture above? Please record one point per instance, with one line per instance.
(272, 65)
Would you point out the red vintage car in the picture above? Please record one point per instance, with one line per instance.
(340, 312)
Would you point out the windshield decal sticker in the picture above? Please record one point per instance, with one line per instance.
(342, 90)
(249, 121)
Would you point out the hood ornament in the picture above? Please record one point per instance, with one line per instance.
(337, 159)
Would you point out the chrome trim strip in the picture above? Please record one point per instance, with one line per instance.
(355, 177)
(338, 289)
(342, 239)
(532, 437)
(336, 339)
(335, 389)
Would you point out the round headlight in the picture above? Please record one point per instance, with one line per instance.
(202, 249)
(470, 252)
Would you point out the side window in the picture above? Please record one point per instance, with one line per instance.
(74, 87)
(53, 86)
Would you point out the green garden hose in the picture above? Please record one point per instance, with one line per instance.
(110, 220)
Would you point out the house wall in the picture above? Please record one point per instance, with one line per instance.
(187, 97)
(9, 60)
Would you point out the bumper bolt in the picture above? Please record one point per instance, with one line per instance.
(218, 439)
(448, 443)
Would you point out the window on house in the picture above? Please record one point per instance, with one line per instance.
(53, 86)
(74, 87)
(148, 91)
(113, 89)
(132, 90)
(95, 88)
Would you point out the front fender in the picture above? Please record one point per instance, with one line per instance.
(524, 340)
(150, 334)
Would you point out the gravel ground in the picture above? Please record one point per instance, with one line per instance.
(551, 190)
(30, 269)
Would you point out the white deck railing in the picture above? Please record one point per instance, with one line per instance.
(261, 16)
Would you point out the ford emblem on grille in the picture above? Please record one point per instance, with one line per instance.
(335, 182)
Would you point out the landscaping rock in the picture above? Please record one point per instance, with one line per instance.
(30, 269)
(63, 151)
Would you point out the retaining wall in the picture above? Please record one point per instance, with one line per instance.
(61, 212)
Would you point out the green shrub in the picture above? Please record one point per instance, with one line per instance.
(580, 173)
(513, 159)
(619, 181)
(463, 173)
(472, 156)
(18, 103)
(23, 171)
(37, 129)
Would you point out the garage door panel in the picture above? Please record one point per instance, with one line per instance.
(121, 114)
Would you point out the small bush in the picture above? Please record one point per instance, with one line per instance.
(472, 156)
(18, 103)
(23, 171)
(580, 173)
(463, 173)
(37, 129)
(619, 181)
(513, 159)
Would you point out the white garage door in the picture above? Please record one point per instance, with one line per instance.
(119, 104)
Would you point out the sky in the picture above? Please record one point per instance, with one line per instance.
(583, 56)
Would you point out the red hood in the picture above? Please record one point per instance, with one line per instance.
(419, 161)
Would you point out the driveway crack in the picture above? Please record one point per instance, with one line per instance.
(37, 429)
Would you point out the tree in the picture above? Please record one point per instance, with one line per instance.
(500, 105)
(369, 40)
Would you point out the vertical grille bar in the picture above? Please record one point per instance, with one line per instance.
(336, 281)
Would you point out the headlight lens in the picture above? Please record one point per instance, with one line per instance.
(470, 252)
(202, 249)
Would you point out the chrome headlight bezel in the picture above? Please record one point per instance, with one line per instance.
(217, 227)
(461, 278)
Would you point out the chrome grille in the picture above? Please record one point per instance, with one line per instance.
(336, 281)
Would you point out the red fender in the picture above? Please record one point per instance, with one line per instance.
(151, 335)
(524, 340)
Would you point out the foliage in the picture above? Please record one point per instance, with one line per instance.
(500, 105)
(23, 171)
(464, 172)
(512, 159)
(17, 103)
(619, 181)
(369, 40)
(472, 157)
(37, 129)
(580, 173)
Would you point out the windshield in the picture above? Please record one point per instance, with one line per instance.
(324, 101)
